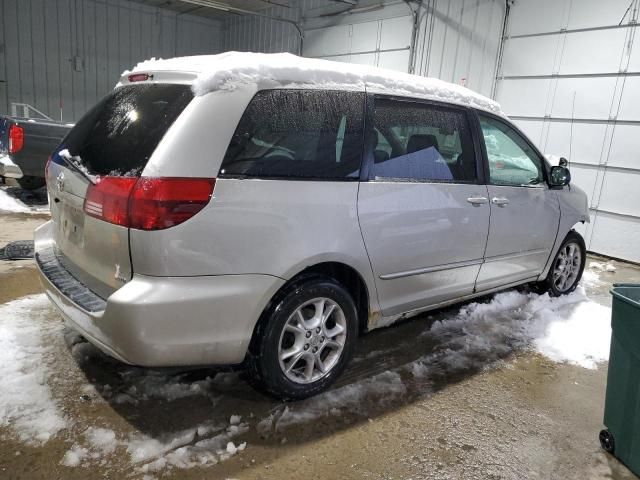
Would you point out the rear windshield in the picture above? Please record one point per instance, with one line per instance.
(298, 134)
(118, 135)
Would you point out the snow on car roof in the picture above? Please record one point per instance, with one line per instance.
(226, 71)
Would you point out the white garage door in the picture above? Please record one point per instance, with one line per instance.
(383, 43)
(570, 78)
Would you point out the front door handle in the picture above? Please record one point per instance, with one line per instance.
(500, 201)
(477, 201)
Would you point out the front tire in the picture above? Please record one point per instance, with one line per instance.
(567, 266)
(304, 339)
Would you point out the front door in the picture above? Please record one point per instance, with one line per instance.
(524, 212)
(423, 212)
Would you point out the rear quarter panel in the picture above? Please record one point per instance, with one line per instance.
(251, 226)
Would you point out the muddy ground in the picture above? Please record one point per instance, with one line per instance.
(510, 414)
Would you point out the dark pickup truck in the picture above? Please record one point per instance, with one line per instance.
(25, 146)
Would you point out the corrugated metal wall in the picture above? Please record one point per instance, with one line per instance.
(458, 40)
(256, 34)
(72, 52)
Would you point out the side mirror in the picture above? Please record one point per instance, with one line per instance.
(559, 177)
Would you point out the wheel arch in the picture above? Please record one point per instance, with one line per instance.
(345, 274)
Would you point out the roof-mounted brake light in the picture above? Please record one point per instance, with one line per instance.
(140, 77)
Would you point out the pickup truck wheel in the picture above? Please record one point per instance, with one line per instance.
(304, 340)
(31, 183)
(567, 266)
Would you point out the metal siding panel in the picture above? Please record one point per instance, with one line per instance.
(584, 177)
(328, 41)
(587, 105)
(587, 143)
(630, 100)
(625, 147)
(39, 56)
(620, 192)
(532, 129)
(65, 57)
(361, 59)
(592, 52)
(394, 60)
(364, 36)
(634, 60)
(103, 81)
(528, 17)
(524, 97)
(25, 52)
(529, 55)
(596, 13)
(616, 236)
(395, 33)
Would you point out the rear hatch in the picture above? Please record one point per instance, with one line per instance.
(92, 173)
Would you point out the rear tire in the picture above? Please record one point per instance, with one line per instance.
(567, 266)
(304, 339)
(31, 183)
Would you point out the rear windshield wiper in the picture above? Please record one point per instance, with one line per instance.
(71, 160)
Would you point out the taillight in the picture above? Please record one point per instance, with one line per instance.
(108, 199)
(16, 138)
(147, 203)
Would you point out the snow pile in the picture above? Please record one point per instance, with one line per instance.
(11, 204)
(590, 279)
(603, 267)
(26, 403)
(570, 329)
(228, 71)
(184, 449)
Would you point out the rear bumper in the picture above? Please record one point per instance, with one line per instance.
(8, 168)
(164, 321)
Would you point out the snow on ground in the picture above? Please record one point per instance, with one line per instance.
(570, 329)
(602, 266)
(229, 70)
(10, 203)
(26, 403)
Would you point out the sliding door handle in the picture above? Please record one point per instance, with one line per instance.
(500, 201)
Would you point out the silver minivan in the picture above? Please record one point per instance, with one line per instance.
(266, 210)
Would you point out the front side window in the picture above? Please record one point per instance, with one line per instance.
(298, 134)
(511, 160)
(422, 142)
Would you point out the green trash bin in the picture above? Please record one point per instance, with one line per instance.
(622, 403)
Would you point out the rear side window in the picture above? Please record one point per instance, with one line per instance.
(298, 134)
(119, 134)
(422, 142)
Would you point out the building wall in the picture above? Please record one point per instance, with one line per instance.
(66, 54)
(255, 34)
(458, 40)
(570, 77)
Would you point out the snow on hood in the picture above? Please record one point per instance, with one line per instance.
(227, 71)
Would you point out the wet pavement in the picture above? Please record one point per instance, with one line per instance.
(404, 409)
